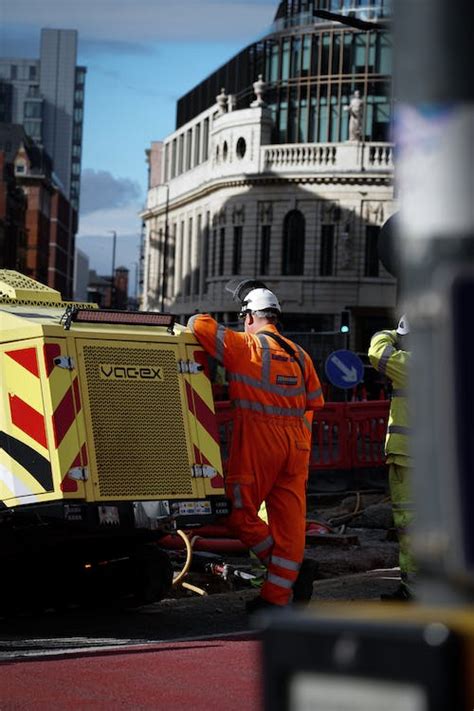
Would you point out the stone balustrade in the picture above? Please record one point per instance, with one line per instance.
(327, 157)
(285, 160)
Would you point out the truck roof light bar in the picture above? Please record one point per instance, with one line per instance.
(128, 318)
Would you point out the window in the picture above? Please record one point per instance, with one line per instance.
(214, 252)
(285, 61)
(189, 148)
(221, 251)
(205, 140)
(32, 109)
(33, 129)
(205, 252)
(241, 148)
(371, 268)
(293, 244)
(187, 266)
(274, 62)
(197, 144)
(32, 72)
(173, 159)
(13, 71)
(237, 250)
(181, 154)
(326, 263)
(266, 236)
(306, 61)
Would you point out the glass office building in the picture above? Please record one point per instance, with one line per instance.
(312, 66)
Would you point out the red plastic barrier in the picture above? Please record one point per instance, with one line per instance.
(345, 435)
(330, 445)
(368, 425)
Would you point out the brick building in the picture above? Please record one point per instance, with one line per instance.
(40, 240)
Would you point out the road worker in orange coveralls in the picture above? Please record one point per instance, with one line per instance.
(274, 388)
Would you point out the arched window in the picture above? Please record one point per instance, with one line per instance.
(293, 244)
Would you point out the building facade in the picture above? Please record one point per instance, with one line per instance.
(46, 96)
(281, 169)
(37, 222)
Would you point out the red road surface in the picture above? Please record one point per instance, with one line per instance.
(194, 676)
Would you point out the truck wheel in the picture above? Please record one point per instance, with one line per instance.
(153, 574)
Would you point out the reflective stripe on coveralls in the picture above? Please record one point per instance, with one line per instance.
(270, 445)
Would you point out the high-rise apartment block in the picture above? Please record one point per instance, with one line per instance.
(46, 96)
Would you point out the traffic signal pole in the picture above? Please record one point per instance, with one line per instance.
(434, 135)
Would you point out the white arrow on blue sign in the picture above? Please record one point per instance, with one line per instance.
(344, 369)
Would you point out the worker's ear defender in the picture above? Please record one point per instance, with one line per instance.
(239, 288)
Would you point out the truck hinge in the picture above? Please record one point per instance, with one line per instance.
(79, 473)
(190, 367)
(203, 471)
(65, 362)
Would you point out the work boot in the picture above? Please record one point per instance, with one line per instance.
(303, 586)
(259, 603)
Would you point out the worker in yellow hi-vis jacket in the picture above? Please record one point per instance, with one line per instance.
(388, 356)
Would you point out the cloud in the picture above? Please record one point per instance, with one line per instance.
(101, 190)
(118, 23)
(95, 239)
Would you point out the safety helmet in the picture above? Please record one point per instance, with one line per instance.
(260, 300)
(403, 327)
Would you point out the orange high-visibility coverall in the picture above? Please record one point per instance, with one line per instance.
(273, 399)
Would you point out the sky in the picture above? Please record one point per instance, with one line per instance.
(141, 57)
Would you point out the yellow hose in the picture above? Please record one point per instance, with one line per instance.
(194, 588)
(189, 554)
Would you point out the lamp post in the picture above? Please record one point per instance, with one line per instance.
(112, 283)
(164, 278)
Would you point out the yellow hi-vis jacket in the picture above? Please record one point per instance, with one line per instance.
(389, 360)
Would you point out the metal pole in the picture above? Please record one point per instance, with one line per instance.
(164, 280)
(434, 136)
(112, 283)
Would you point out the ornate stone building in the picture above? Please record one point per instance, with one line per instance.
(285, 174)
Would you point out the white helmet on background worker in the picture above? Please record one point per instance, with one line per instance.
(260, 300)
(403, 327)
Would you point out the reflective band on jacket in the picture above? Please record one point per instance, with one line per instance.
(399, 393)
(406, 506)
(399, 429)
(384, 358)
(265, 385)
(281, 582)
(237, 497)
(285, 563)
(269, 409)
(315, 394)
(220, 335)
(263, 545)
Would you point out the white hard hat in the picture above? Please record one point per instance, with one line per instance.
(260, 300)
(403, 327)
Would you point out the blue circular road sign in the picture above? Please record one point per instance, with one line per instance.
(344, 369)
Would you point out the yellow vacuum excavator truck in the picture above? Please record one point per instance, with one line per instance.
(108, 439)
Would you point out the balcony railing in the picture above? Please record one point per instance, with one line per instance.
(327, 157)
(293, 159)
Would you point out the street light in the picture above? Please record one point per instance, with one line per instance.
(112, 283)
(164, 276)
